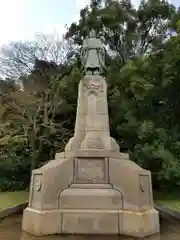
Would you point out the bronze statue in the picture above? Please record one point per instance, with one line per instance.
(93, 55)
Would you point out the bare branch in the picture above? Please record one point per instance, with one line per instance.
(18, 58)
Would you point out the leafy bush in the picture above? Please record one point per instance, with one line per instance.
(14, 164)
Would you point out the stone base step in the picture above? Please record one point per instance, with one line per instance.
(76, 221)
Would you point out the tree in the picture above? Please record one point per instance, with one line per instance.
(33, 116)
(144, 103)
(18, 59)
(128, 32)
(35, 122)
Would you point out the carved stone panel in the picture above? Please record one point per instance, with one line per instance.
(145, 190)
(37, 185)
(90, 170)
(93, 86)
(36, 191)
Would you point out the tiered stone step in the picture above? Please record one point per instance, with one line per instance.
(91, 196)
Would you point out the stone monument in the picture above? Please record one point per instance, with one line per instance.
(91, 187)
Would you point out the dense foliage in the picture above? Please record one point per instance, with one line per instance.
(143, 76)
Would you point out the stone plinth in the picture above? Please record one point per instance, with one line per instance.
(76, 221)
(88, 195)
(91, 188)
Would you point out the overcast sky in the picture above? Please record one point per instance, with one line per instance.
(21, 19)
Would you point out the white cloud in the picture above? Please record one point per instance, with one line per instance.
(10, 12)
(79, 5)
(21, 19)
(54, 29)
(82, 3)
(19, 22)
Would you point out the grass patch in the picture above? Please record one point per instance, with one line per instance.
(9, 199)
(171, 200)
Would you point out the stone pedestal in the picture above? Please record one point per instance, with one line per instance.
(91, 188)
(92, 119)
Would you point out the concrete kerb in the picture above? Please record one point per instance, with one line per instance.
(14, 209)
(167, 213)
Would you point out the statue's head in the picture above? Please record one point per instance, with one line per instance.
(92, 41)
(92, 34)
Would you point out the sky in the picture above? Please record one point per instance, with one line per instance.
(22, 19)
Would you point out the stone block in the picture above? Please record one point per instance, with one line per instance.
(41, 223)
(74, 198)
(129, 178)
(90, 222)
(139, 224)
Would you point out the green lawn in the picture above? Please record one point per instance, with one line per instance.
(8, 199)
(171, 200)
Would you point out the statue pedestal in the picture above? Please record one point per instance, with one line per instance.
(91, 192)
(91, 188)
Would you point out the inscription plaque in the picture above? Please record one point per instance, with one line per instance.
(91, 171)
